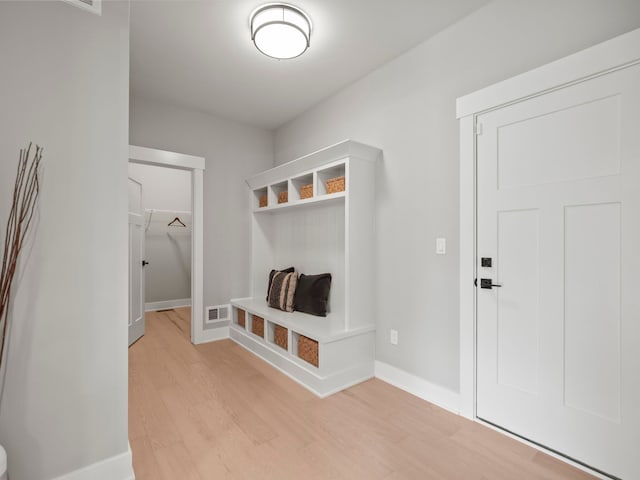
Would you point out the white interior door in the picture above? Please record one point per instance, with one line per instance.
(558, 343)
(136, 262)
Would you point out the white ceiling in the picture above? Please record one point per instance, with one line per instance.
(198, 53)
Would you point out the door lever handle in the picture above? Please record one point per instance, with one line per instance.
(144, 262)
(488, 283)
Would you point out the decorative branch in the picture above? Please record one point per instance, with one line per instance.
(23, 205)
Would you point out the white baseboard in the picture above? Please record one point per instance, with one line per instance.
(119, 467)
(167, 304)
(419, 387)
(213, 335)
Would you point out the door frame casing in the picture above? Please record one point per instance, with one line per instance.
(615, 54)
(196, 165)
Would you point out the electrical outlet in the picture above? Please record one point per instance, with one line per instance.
(441, 246)
(393, 337)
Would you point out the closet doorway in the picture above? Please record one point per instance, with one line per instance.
(166, 199)
(171, 206)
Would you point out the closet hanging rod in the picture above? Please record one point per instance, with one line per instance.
(172, 212)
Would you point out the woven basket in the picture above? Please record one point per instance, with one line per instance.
(308, 350)
(241, 318)
(257, 326)
(283, 197)
(306, 191)
(263, 201)
(335, 185)
(280, 336)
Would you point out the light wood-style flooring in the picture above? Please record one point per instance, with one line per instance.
(215, 411)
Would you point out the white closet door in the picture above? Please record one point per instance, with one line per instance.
(136, 262)
(559, 217)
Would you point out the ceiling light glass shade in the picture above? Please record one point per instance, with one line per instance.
(280, 31)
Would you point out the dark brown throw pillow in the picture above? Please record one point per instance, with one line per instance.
(312, 294)
(283, 288)
(272, 273)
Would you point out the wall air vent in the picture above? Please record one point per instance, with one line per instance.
(93, 6)
(218, 315)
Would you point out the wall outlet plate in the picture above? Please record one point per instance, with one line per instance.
(393, 337)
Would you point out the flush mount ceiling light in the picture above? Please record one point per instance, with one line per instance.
(280, 30)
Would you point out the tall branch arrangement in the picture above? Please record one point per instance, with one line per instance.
(23, 205)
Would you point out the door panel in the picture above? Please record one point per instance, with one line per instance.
(534, 151)
(592, 309)
(517, 311)
(559, 214)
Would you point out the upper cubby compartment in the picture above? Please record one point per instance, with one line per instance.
(279, 193)
(260, 198)
(331, 180)
(301, 187)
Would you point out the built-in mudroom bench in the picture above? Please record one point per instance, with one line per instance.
(315, 214)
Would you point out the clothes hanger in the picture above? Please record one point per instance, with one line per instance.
(172, 222)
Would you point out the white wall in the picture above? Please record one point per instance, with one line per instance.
(65, 85)
(163, 188)
(233, 152)
(407, 108)
(167, 249)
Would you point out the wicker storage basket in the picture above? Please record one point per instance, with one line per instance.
(263, 201)
(335, 185)
(306, 191)
(280, 336)
(257, 325)
(283, 197)
(241, 318)
(308, 350)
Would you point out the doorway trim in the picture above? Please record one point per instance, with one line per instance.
(196, 165)
(615, 54)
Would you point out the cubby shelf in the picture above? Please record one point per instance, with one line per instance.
(332, 197)
(329, 232)
(322, 329)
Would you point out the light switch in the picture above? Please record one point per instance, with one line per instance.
(441, 246)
